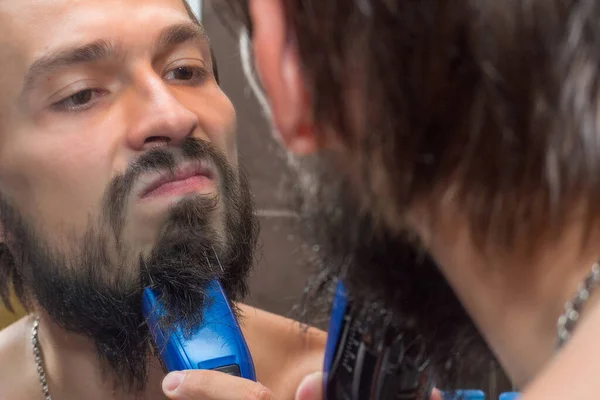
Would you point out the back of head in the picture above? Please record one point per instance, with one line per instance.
(493, 101)
(483, 113)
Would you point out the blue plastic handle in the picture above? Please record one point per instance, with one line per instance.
(218, 344)
(464, 395)
(338, 309)
(476, 395)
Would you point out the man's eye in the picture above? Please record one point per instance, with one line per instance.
(77, 101)
(194, 75)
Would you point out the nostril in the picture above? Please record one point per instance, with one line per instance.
(157, 140)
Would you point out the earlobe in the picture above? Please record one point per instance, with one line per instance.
(278, 67)
(304, 141)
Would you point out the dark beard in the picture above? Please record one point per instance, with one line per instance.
(388, 272)
(88, 292)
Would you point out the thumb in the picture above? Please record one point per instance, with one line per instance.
(436, 395)
(311, 387)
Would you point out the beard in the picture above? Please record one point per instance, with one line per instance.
(95, 288)
(386, 273)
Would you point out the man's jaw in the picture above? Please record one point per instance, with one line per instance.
(94, 290)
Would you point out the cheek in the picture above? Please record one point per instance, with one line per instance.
(230, 136)
(224, 130)
(217, 120)
(55, 183)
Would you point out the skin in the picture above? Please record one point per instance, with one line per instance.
(65, 132)
(57, 162)
(515, 303)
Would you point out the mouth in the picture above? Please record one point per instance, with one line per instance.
(186, 180)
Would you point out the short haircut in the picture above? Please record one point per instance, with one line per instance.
(495, 101)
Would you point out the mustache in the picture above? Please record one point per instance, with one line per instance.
(161, 159)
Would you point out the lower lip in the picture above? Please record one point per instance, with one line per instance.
(194, 184)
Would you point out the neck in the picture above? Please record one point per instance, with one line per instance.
(74, 371)
(515, 304)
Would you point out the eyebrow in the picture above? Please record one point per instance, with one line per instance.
(180, 33)
(97, 50)
(104, 50)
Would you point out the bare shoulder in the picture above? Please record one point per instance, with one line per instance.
(17, 370)
(256, 320)
(283, 350)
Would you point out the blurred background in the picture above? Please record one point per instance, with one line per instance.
(279, 277)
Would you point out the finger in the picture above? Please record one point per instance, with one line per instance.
(311, 387)
(212, 385)
(436, 395)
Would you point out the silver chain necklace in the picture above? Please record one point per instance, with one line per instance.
(567, 321)
(565, 325)
(39, 362)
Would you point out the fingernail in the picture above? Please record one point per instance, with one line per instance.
(310, 387)
(172, 381)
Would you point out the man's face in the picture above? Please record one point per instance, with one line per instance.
(70, 125)
(118, 167)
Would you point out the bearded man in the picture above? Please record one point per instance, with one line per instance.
(119, 171)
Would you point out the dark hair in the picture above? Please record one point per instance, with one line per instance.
(497, 100)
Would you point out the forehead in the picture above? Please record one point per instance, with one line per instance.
(29, 28)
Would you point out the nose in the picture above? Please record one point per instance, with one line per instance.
(158, 118)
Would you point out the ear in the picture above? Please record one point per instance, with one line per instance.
(278, 67)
